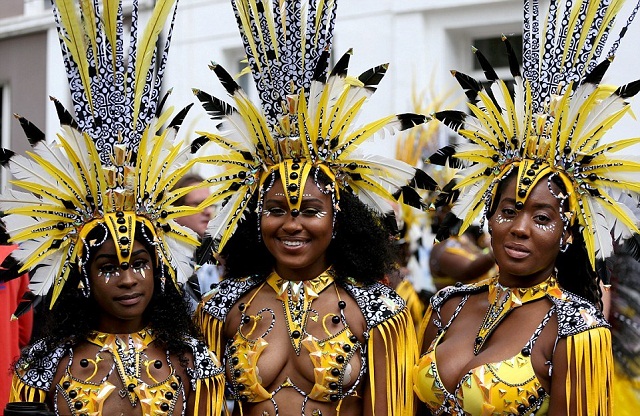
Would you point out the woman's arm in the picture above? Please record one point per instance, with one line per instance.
(581, 382)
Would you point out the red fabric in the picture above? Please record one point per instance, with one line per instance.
(13, 334)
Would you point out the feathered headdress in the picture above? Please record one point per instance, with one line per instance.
(113, 165)
(306, 119)
(553, 122)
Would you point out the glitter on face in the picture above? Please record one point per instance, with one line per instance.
(141, 270)
(321, 214)
(547, 227)
(108, 275)
(501, 220)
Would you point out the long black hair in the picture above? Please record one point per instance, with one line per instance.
(575, 273)
(361, 248)
(74, 316)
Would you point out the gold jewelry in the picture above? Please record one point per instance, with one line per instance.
(503, 300)
(296, 298)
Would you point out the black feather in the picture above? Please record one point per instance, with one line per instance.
(409, 120)
(443, 155)
(29, 300)
(632, 246)
(447, 195)
(225, 79)
(421, 180)
(470, 85)
(372, 77)
(454, 119)
(409, 197)
(320, 73)
(514, 65)
(33, 133)
(204, 253)
(65, 117)
(5, 156)
(342, 66)
(489, 72)
(629, 90)
(179, 118)
(198, 143)
(162, 102)
(596, 75)
(215, 107)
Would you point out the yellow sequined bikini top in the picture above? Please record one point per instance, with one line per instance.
(506, 387)
(331, 356)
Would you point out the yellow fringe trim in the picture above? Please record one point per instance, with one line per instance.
(416, 308)
(626, 393)
(210, 393)
(21, 392)
(398, 335)
(211, 330)
(590, 354)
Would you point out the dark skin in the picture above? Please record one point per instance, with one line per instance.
(526, 244)
(122, 301)
(299, 245)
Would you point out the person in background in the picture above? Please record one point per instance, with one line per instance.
(95, 223)
(533, 340)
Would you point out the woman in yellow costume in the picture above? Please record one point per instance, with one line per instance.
(96, 227)
(533, 340)
(301, 320)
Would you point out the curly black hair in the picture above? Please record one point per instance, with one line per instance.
(74, 316)
(361, 248)
(575, 273)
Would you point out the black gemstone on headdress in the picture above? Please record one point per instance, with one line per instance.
(164, 407)
(296, 160)
(164, 214)
(260, 146)
(237, 373)
(122, 229)
(532, 399)
(124, 265)
(295, 213)
(352, 165)
(342, 304)
(84, 363)
(479, 340)
(166, 228)
(66, 385)
(119, 214)
(124, 240)
(131, 387)
(157, 364)
(535, 166)
(121, 221)
(56, 243)
(242, 174)
(514, 141)
(319, 141)
(124, 253)
(522, 193)
(293, 199)
(593, 176)
(78, 405)
(146, 195)
(292, 187)
(60, 226)
(487, 171)
(89, 198)
(233, 349)
(293, 176)
(519, 205)
(540, 391)
(235, 360)
(244, 398)
(240, 387)
(295, 334)
(73, 394)
(295, 166)
(335, 319)
(495, 158)
(526, 181)
(566, 150)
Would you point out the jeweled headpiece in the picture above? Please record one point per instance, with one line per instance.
(113, 165)
(552, 124)
(305, 120)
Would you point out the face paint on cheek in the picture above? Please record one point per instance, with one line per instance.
(108, 275)
(321, 214)
(547, 227)
(142, 270)
(501, 220)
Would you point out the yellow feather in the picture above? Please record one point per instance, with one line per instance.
(110, 22)
(146, 48)
(358, 136)
(89, 15)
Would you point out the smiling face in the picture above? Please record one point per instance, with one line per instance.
(121, 294)
(526, 242)
(298, 241)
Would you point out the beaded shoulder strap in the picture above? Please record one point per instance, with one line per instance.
(377, 302)
(220, 300)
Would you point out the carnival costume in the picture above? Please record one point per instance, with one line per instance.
(303, 128)
(99, 173)
(550, 127)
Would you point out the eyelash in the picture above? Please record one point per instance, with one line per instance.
(109, 270)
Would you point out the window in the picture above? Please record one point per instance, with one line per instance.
(495, 51)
